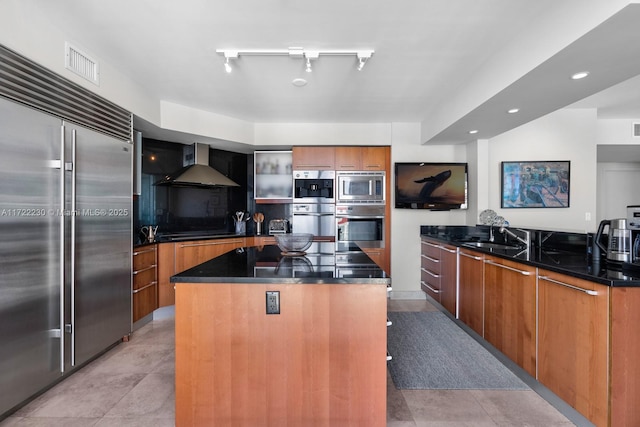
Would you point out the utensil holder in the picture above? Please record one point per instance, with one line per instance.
(258, 228)
(241, 227)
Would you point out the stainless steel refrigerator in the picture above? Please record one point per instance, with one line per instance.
(65, 248)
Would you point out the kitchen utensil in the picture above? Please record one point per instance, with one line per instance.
(619, 245)
(258, 218)
(294, 244)
(149, 232)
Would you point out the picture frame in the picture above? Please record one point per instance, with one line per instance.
(535, 184)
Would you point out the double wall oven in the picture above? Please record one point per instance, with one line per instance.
(360, 215)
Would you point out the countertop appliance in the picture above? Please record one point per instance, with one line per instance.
(66, 221)
(313, 186)
(278, 226)
(366, 187)
(619, 244)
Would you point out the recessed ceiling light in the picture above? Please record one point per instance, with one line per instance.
(299, 82)
(513, 110)
(580, 75)
(473, 131)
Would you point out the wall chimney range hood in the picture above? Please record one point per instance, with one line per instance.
(196, 171)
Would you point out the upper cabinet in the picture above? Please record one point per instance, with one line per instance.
(273, 178)
(314, 158)
(361, 158)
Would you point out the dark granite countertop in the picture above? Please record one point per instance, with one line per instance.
(267, 265)
(570, 262)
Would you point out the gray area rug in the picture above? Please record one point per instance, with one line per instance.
(430, 352)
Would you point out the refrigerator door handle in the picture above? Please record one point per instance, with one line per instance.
(72, 271)
(62, 248)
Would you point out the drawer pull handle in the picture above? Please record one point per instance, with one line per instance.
(477, 258)
(144, 269)
(566, 285)
(430, 259)
(435, 276)
(145, 251)
(135, 291)
(452, 251)
(431, 244)
(524, 273)
(435, 291)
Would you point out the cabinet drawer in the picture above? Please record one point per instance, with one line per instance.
(431, 250)
(143, 258)
(144, 277)
(429, 263)
(145, 301)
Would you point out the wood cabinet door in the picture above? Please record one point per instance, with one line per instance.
(379, 257)
(166, 269)
(348, 158)
(189, 254)
(471, 290)
(573, 342)
(449, 278)
(430, 269)
(510, 310)
(625, 348)
(313, 158)
(374, 158)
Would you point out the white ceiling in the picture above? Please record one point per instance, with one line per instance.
(426, 54)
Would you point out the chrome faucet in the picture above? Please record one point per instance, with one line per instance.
(526, 239)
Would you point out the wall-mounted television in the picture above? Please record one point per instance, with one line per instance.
(430, 185)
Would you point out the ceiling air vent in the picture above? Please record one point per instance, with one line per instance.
(81, 64)
(636, 129)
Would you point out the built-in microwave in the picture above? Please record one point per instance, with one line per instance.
(365, 187)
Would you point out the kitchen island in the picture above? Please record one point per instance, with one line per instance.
(320, 360)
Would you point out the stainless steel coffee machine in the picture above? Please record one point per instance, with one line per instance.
(619, 244)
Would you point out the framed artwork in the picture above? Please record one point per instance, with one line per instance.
(535, 184)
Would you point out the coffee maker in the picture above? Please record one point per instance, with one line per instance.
(633, 220)
(619, 243)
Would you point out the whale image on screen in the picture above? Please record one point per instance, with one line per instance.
(436, 186)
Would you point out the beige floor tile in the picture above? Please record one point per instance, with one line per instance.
(88, 396)
(135, 422)
(397, 408)
(50, 422)
(519, 408)
(130, 358)
(410, 305)
(147, 399)
(445, 406)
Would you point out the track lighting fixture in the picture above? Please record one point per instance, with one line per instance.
(296, 52)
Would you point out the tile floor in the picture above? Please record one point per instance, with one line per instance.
(132, 386)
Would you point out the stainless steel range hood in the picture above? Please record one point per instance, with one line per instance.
(196, 171)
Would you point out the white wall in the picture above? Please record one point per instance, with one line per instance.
(568, 134)
(405, 223)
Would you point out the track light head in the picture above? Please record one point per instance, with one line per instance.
(308, 67)
(363, 56)
(227, 66)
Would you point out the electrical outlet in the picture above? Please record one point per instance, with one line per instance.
(273, 302)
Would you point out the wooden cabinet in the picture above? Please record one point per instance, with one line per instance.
(166, 269)
(273, 180)
(510, 310)
(176, 257)
(359, 158)
(471, 289)
(145, 281)
(189, 254)
(313, 158)
(430, 268)
(380, 257)
(449, 278)
(573, 343)
(625, 348)
(320, 362)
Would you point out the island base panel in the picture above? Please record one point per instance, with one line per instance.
(320, 362)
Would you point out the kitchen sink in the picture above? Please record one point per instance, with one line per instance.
(492, 245)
